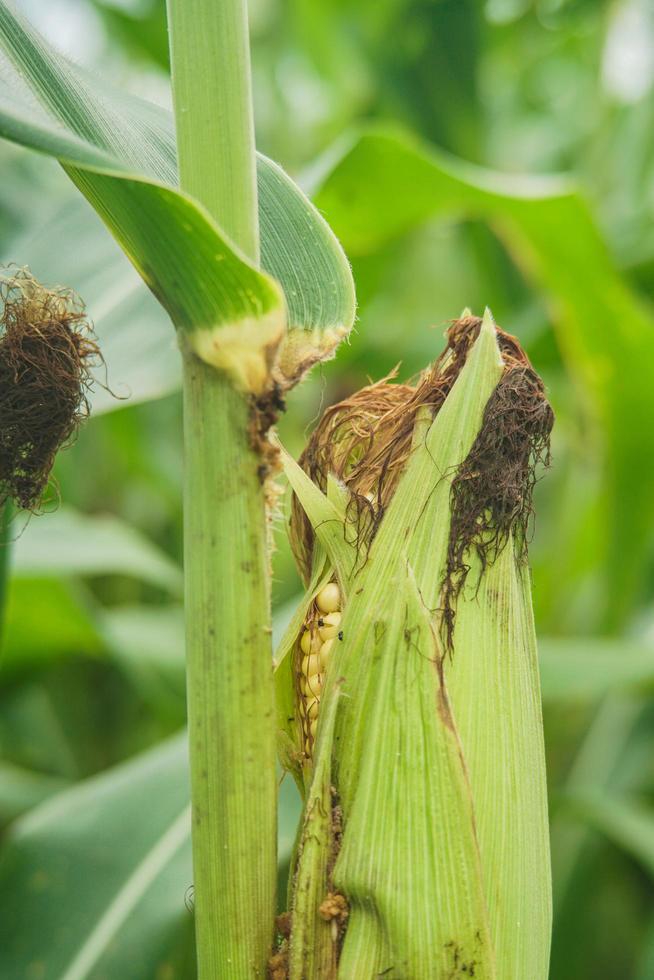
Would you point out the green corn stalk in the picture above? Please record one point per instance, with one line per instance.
(423, 850)
(226, 590)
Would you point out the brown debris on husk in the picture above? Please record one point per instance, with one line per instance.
(278, 963)
(265, 410)
(47, 350)
(366, 439)
(334, 907)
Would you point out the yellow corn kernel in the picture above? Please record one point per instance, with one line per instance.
(313, 726)
(311, 664)
(330, 624)
(310, 642)
(325, 651)
(328, 599)
(311, 707)
(313, 687)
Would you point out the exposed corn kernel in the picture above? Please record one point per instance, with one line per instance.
(325, 651)
(310, 642)
(311, 665)
(307, 685)
(311, 707)
(328, 626)
(328, 599)
(314, 685)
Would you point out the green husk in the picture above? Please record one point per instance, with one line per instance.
(437, 757)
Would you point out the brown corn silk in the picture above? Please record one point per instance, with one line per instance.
(47, 350)
(365, 442)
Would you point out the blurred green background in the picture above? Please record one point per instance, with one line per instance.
(352, 99)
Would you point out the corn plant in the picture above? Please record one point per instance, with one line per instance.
(407, 700)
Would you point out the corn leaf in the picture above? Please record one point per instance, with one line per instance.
(582, 669)
(117, 847)
(493, 683)
(120, 151)
(69, 543)
(646, 963)
(491, 677)
(409, 860)
(46, 620)
(327, 517)
(22, 789)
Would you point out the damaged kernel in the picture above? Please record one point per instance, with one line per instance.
(328, 626)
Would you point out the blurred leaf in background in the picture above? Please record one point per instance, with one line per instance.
(379, 109)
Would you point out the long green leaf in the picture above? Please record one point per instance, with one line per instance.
(22, 789)
(46, 620)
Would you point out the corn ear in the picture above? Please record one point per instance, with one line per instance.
(436, 754)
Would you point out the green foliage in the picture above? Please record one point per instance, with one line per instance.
(123, 860)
